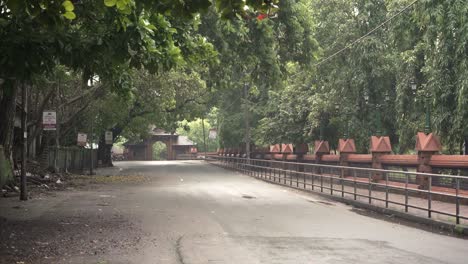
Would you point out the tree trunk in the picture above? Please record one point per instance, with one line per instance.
(6, 174)
(37, 125)
(7, 117)
(104, 152)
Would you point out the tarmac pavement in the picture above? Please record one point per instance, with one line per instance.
(188, 212)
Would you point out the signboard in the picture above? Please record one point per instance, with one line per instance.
(108, 137)
(193, 150)
(213, 133)
(81, 140)
(49, 120)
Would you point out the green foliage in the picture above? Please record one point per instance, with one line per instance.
(194, 131)
(254, 54)
(161, 62)
(159, 151)
(292, 97)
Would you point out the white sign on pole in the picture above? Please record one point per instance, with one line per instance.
(49, 120)
(81, 140)
(108, 137)
(213, 133)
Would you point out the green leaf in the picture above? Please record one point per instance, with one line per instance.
(126, 11)
(69, 15)
(68, 5)
(16, 6)
(110, 3)
(3, 22)
(121, 4)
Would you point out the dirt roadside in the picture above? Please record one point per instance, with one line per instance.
(46, 229)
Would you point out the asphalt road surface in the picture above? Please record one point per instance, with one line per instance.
(192, 212)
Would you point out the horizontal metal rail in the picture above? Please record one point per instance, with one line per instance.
(316, 179)
(344, 167)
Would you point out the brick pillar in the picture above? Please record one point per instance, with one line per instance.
(426, 145)
(300, 150)
(321, 148)
(275, 149)
(285, 149)
(345, 147)
(380, 145)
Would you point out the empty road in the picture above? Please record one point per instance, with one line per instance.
(191, 212)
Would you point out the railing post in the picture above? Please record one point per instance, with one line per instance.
(283, 165)
(406, 192)
(370, 190)
(386, 189)
(429, 198)
(287, 149)
(457, 205)
(354, 184)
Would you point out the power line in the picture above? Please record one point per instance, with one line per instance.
(363, 36)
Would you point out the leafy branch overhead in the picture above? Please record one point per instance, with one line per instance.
(270, 68)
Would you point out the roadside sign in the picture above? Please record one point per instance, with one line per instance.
(108, 138)
(213, 133)
(49, 120)
(81, 140)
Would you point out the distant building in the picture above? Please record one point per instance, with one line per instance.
(178, 147)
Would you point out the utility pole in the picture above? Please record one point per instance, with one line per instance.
(24, 149)
(91, 153)
(204, 138)
(247, 122)
(57, 135)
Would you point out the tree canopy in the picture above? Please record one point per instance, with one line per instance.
(275, 71)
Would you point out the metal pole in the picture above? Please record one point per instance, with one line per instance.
(427, 127)
(204, 138)
(322, 129)
(57, 140)
(247, 123)
(379, 121)
(347, 126)
(24, 149)
(91, 153)
(429, 198)
(406, 192)
(457, 205)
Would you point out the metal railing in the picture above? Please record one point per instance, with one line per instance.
(348, 182)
